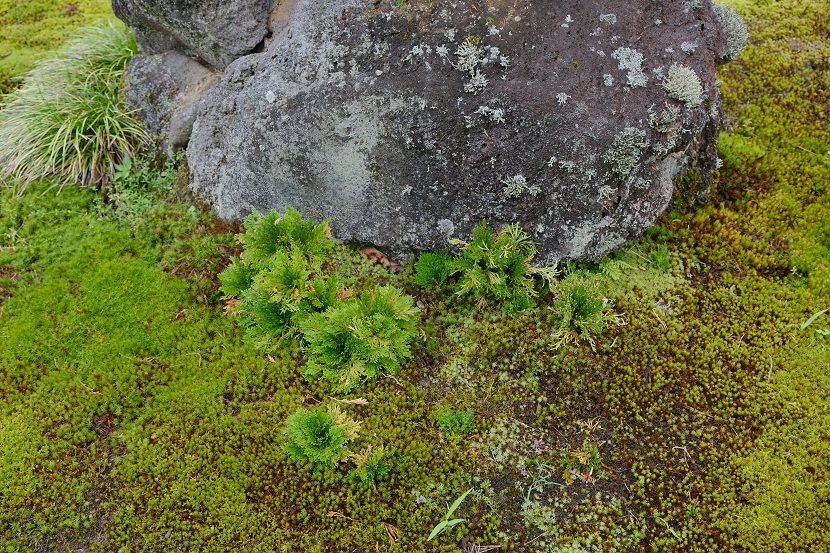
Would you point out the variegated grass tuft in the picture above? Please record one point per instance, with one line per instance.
(68, 120)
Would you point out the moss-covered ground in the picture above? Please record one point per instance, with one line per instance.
(30, 29)
(133, 417)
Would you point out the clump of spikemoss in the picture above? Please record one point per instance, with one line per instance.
(371, 465)
(279, 275)
(287, 289)
(494, 266)
(355, 341)
(319, 437)
(581, 306)
(456, 422)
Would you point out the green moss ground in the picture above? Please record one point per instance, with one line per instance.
(30, 29)
(134, 418)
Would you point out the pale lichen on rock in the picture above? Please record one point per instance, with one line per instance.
(682, 83)
(631, 61)
(736, 31)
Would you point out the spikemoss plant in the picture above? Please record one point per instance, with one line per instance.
(456, 422)
(433, 268)
(493, 266)
(319, 437)
(371, 465)
(354, 341)
(279, 275)
(581, 306)
(283, 287)
(68, 120)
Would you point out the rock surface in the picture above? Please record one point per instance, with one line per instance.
(166, 89)
(215, 31)
(408, 125)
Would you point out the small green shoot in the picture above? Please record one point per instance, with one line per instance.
(456, 422)
(669, 528)
(446, 523)
(806, 324)
(319, 437)
(660, 258)
(371, 465)
(580, 464)
(493, 266)
(692, 511)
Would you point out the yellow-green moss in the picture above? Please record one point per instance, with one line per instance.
(31, 29)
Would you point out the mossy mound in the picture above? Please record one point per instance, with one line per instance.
(134, 416)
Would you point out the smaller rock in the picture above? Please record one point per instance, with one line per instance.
(165, 88)
(215, 31)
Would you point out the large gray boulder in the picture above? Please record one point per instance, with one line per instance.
(215, 31)
(409, 125)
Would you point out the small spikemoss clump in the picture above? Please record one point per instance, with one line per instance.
(319, 437)
(284, 287)
(433, 268)
(371, 465)
(493, 266)
(581, 306)
(280, 276)
(354, 341)
(581, 464)
(660, 258)
(456, 422)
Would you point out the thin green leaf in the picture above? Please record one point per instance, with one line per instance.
(812, 319)
(455, 504)
(438, 529)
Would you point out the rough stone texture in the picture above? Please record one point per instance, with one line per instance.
(553, 115)
(216, 31)
(166, 88)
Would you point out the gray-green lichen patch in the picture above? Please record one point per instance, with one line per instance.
(517, 185)
(689, 5)
(495, 115)
(624, 154)
(682, 83)
(632, 61)
(689, 47)
(608, 18)
(736, 31)
(663, 122)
